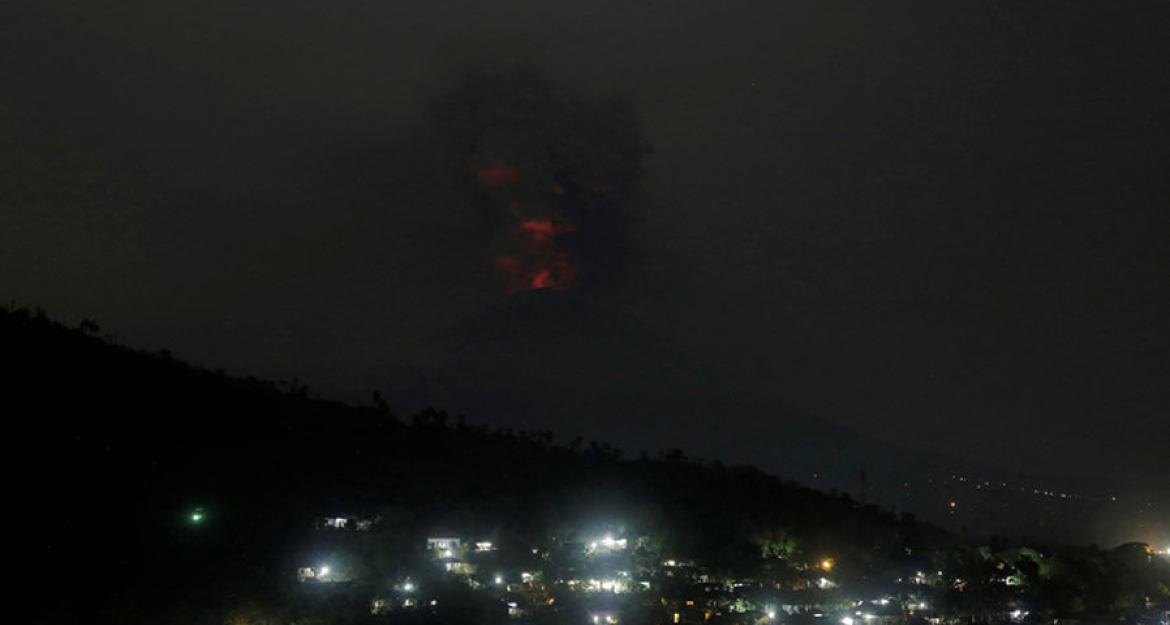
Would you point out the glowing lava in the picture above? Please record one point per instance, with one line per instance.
(537, 261)
(543, 280)
(535, 255)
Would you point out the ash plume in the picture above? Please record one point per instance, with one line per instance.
(556, 174)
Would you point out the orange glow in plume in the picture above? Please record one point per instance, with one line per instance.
(535, 258)
(497, 175)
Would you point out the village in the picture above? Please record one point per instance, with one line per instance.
(616, 576)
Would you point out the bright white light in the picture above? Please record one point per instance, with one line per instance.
(526, 577)
(499, 580)
(408, 587)
(771, 615)
(848, 620)
(447, 553)
(606, 543)
(324, 571)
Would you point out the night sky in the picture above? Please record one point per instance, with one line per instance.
(944, 224)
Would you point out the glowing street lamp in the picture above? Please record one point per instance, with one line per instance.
(197, 516)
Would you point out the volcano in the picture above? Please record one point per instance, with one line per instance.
(549, 359)
(552, 360)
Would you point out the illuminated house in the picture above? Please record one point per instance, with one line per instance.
(606, 544)
(445, 546)
(352, 523)
(484, 546)
(460, 568)
(323, 574)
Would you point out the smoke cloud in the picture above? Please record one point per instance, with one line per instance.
(555, 173)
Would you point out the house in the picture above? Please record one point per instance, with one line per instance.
(444, 545)
(345, 522)
(484, 546)
(460, 568)
(321, 574)
(606, 544)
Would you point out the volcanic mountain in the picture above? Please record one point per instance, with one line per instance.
(544, 359)
(548, 359)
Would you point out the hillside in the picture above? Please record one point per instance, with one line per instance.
(125, 442)
(157, 491)
(553, 357)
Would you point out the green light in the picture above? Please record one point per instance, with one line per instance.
(197, 515)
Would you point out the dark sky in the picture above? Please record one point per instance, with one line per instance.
(941, 223)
